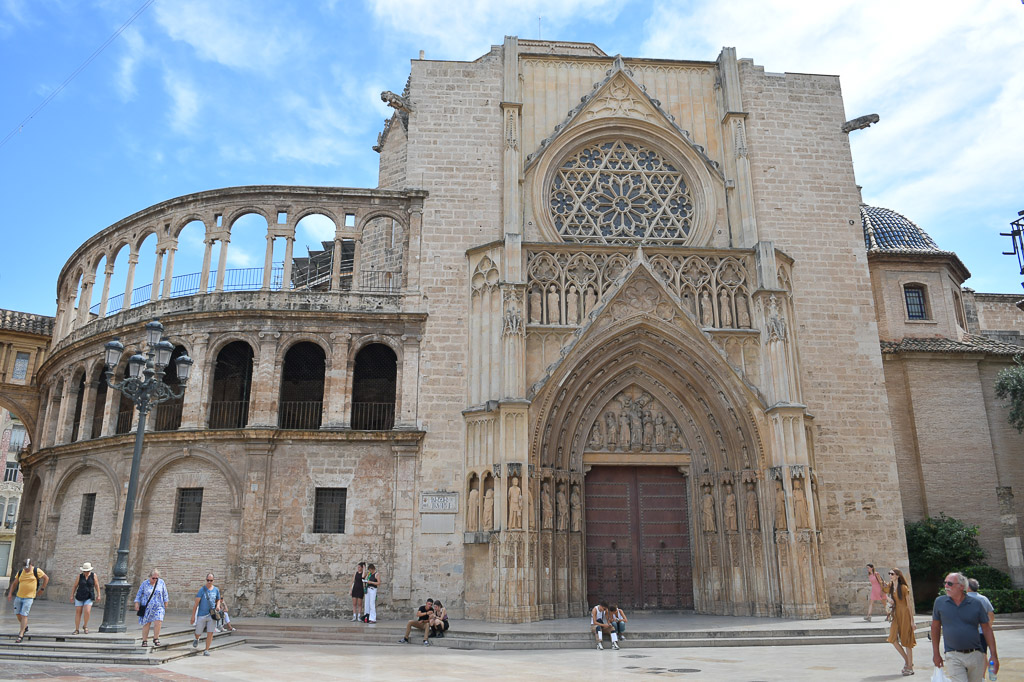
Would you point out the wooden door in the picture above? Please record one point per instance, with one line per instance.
(638, 538)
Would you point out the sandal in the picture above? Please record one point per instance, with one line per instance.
(75, 632)
(18, 640)
(85, 630)
(156, 642)
(145, 642)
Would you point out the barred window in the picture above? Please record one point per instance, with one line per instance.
(85, 518)
(189, 509)
(916, 308)
(329, 512)
(20, 366)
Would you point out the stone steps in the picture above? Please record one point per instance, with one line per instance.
(107, 649)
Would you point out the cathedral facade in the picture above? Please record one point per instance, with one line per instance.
(607, 329)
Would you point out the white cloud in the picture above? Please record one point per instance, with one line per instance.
(465, 29)
(185, 102)
(13, 13)
(129, 61)
(235, 34)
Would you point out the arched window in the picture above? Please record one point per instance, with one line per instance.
(100, 406)
(302, 387)
(373, 388)
(232, 383)
(917, 302)
(168, 414)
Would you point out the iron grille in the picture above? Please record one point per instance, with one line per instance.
(915, 303)
(190, 509)
(85, 518)
(329, 511)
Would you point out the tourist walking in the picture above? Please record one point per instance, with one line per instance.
(901, 630)
(26, 585)
(370, 599)
(876, 590)
(358, 593)
(84, 593)
(420, 622)
(972, 593)
(207, 601)
(150, 605)
(956, 619)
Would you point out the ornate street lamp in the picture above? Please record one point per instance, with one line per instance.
(144, 386)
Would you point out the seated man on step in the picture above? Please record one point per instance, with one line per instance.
(420, 622)
(600, 622)
(618, 620)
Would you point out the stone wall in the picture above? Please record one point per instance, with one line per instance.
(806, 203)
(394, 157)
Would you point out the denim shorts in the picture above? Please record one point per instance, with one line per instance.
(87, 602)
(23, 605)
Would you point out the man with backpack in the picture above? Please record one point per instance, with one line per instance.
(27, 587)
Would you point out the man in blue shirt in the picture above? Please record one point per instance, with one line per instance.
(207, 600)
(957, 619)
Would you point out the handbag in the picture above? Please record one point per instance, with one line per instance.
(215, 614)
(142, 607)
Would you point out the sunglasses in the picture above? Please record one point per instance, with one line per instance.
(892, 573)
(950, 583)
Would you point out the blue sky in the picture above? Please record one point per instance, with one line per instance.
(201, 94)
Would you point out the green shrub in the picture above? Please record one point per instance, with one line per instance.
(273, 614)
(988, 578)
(1006, 601)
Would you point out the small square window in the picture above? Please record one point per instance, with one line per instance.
(85, 518)
(329, 513)
(20, 367)
(914, 296)
(189, 510)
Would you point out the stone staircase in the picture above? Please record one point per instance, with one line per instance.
(118, 649)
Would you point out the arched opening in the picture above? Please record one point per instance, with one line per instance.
(232, 384)
(168, 414)
(246, 254)
(147, 273)
(125, 406)
(100, 405)
(313, 255)
(76, 422)
(373, 388)
(302, 387)
(188, 260)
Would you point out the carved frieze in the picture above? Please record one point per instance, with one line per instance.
(633, 421)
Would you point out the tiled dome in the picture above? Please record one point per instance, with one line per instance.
(886, 230)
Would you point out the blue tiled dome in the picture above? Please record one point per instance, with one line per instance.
(886, 230)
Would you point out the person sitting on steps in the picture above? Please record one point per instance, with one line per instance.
(420, 622)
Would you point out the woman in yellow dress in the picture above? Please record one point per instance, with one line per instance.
(901, 631)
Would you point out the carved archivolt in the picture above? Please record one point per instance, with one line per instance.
(563, 287)
(634, 421)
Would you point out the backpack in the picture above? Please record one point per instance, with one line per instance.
(35, 572)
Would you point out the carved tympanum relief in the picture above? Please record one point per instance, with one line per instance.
(633, 421)
(564, 287)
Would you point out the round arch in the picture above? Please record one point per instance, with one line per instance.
(209, 456)
(232, 218)
(74, 471)
(382, 213)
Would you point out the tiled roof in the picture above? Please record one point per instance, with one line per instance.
(972, 343)
(12, 320)
(888, 231)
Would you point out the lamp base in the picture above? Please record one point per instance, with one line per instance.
(116, 606)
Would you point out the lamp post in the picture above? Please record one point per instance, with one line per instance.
(144, 386)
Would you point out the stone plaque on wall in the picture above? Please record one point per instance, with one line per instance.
(439, 503)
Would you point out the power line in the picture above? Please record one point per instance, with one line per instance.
(57, 91)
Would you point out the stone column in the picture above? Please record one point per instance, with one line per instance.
(737, 165)
(337, 414)
(408, 396)
(110, 408)
(415, 245)
(158, 268)
(85, 299)
(108, 272)
(65, 415)
(268, 263)
(88, 410)
(286, 277)
(204, 276)
(193, 408)
(406, 456)
(1011, 535)
(169, 272)
(222, 262)
(255, 553)
(265, 382)
(129, 282)
(336, 265)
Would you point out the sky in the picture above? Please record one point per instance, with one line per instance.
(202, 94)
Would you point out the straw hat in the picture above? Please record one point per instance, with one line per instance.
(86, 567)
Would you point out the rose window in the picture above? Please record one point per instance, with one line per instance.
(618, 192)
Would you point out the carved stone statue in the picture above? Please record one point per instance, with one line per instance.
(624, 431)
(730, 509)
(554, 314)
(724, 310)
(515, 505)
(546, 513)
(753, 516)
(675, 438)
(473, 510)
(636, 429)
(742, 313)
(611, 430)
(800, 505)
(575, 509)
(563, 508)
(708, 511)
(489, 509)
(595, 442)
(648, 431)
(707, 316)
(780, 507)
(536, 307)
(572, 305)
(589, 300)
(659, 431)
(395, 101)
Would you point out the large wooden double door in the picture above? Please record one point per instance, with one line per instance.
(638, 537)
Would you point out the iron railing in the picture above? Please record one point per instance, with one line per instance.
(168, 415)
(373, 416)
(229, 414)
(124, 421)
(299, 414)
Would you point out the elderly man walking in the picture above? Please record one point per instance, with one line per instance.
(957, 619)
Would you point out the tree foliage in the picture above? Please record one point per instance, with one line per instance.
(939, 544)
(1010, 388)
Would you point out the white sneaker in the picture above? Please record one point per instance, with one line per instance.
(355, 617)
(615, 646)
(600, 647)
